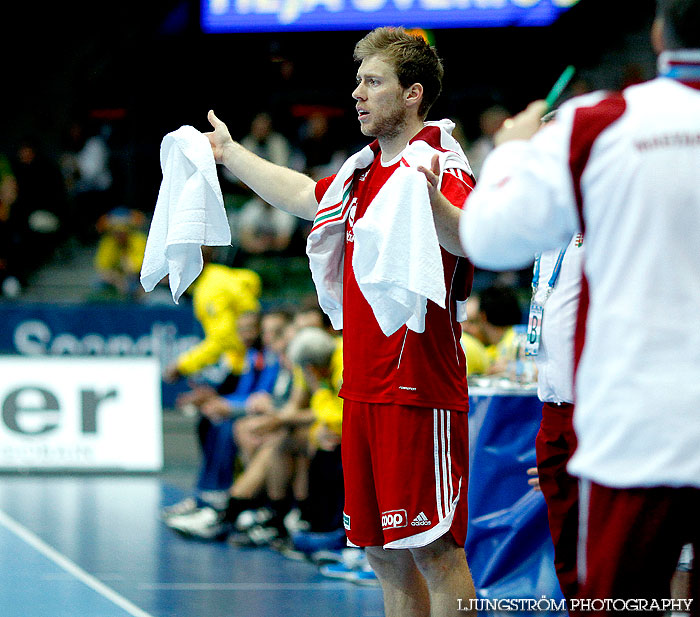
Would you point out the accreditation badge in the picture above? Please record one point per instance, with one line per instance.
(534, 329)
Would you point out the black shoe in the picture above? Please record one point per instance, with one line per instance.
(256, 536)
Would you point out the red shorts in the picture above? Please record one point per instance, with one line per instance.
(630, 541)
(555, 444)
(405, 471)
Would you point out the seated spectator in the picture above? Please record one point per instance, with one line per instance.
(317, 354)
(120, 252)
(277, 332)
(10, 239)
(220, 295)
(499, 311)
(319, 147)
(301, 457)
(263, 229)
(257, 227)
(218, 414)
(265, 142)
(86, 167)
(40, 210)
(477, 357)
(258, 428)
(490, 120)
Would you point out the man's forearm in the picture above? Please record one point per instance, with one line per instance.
(446, 217)
(281, 187)
(300, 417)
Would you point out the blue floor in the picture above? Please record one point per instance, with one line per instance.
(87, 546)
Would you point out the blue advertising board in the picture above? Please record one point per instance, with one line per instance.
(102, 330)
(295, 15)
(508, 546)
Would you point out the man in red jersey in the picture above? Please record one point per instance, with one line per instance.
(405, 438)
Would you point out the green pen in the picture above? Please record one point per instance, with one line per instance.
(559, 86)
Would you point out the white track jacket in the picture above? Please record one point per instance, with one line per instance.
(625, 169)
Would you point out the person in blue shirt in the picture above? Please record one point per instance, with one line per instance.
(219, 413)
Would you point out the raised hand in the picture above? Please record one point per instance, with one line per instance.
(219, 138)
(522, 126)
(534, 480)
(432, 175)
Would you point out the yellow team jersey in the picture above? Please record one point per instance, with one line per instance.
(477, 357)
(337, 365)
(328, 410)
(111, 257)
(219, 296)
(505, 348)
(325, 402)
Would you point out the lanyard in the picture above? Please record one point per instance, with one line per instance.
(552, 279)
(682, 65)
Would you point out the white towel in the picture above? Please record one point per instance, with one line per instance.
(397, 259)
(325, 245)
(189, 212)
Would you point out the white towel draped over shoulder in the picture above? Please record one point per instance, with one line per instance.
(397, 260)
(325, 245)
(189, 212)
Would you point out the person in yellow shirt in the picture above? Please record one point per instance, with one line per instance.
(120, 252)
(219, 296)
(478, 360)
(495, 316)
(318, 355)
(471, 339)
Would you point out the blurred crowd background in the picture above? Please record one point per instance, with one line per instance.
(90, 89)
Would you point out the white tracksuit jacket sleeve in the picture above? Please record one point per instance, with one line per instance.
(523, 202)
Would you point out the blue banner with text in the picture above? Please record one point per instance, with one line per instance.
(281, 15)
(103, 330)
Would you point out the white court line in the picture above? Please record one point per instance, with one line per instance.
(63, 562)
(341, 585)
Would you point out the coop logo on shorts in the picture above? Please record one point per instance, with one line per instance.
(392, 519)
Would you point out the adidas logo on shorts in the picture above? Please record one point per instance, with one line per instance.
(420, 520)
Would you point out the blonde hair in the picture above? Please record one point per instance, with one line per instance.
(413, 58)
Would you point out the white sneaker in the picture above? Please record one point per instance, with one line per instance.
(186, 506)
(293, 521)
(248, 518)
(204, 523)
(355, 558)
(359, 576)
